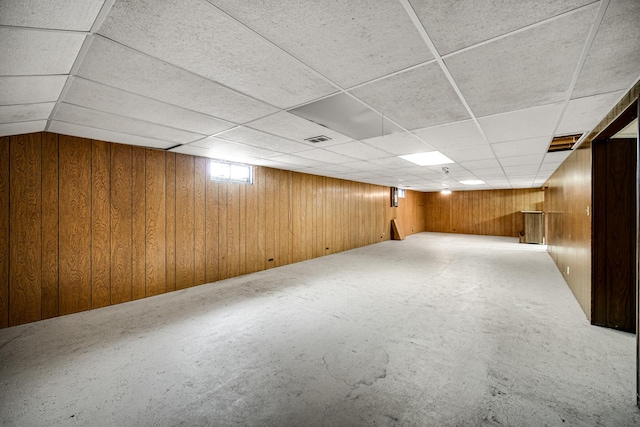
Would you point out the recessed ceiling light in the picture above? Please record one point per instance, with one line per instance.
(472, 182)
(446, 191)
(430, 158)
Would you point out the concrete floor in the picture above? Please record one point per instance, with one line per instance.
(436, 330)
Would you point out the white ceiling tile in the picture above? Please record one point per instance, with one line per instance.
(557, 156)
(328, 170)
(452, 135)
(549, 167)
(224, 148)
(521, 147)
(358, 150)
(466, 155)
(114, 65)
(263, 140)
(416, 98)
(106, 135)
(20, 128)
(296, 128)
(475, 22)
(534, 160)
(30, 89)
(298, 161)
(97, 119)
(615, 52)
(195, 36)
(77, 15)
(392, 162)
(375, 37)
(104, 98)
(583, 114)
(361, 166)
(521, 124)
(25, 112)
(399, 144)
(37, 52)
(526, 69)
(481, 164)
(215, 154)
(279, 165)
(325, 156)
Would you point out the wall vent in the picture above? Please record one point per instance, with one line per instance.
(319, 138)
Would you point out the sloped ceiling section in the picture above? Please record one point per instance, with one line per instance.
(488, 84)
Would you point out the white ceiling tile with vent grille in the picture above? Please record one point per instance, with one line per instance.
(296, 128)
(375, 37)
(226, 52)
(263, 140)
(37, 52)
(221, 146)
(93, 95)
(114, 65)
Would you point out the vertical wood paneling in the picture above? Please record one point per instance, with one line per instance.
(233, 230)
(4, 232)
(134, 222)
(25, 233)
(488, 212)
(50, 237)
(170, 222)
(211, 226)
(251, 206)
(185, 229)
(223, 232)
(138, 222)
(155, 226)
(200, 176)
(75, 231)
(121, 225)
(100, 225)
(270, 216)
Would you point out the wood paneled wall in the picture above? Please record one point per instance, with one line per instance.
(86, 224)
(411, 212)
(484, 212)
(568, 208)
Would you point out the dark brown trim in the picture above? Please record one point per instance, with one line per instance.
(627, 116)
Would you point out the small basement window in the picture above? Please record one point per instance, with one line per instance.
(231, 172)
(401, 193)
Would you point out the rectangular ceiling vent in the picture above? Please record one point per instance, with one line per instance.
(319, 138)
(563, 143)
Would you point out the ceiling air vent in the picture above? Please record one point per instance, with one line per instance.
(563, 143)
(319, 138)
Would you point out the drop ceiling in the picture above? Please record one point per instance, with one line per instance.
(488, 84)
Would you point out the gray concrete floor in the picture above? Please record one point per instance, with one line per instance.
(436, 330)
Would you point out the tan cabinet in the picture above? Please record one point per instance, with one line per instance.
(533, 227)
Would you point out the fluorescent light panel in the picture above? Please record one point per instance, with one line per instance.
(430, 158)
(472, 182)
